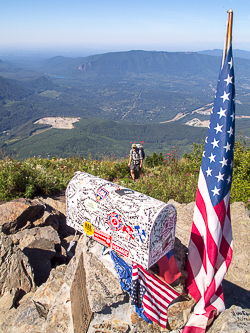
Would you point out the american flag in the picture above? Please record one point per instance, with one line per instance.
(210, 247)
(153, 294)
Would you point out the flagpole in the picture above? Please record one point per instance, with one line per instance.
(228, 38)
(230, 27)
(210, 248)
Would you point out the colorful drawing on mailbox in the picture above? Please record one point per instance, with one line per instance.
(101, 193)
(114, 221)
(88, 228)
(128, 230)
(102, 237)
(140, 233)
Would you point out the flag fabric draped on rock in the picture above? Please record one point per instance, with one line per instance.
(168, 268)
(123, 270)
(153, 294)
(210, 247)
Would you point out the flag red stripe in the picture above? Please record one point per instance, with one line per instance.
(220, 210)
(199, 243)
(163, 294)
(229, 257)
(224, 247)
(193, 329)
(209, 293)
(191, 284)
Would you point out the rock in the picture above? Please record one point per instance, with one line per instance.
(113, 325)
(60, 317)
(184, 221)
(239, 269)
(60, 206)
(59, 203)
(103, 288)
(25, 237)
(7, 301)
(50, 215)
(16, 213)
(15, 269)
(235, 320)
(24, 319)
(115, 316)
(179, 312)
(40, 252)
(47, 292)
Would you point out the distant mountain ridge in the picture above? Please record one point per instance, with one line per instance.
(121, 64)
(237, 53)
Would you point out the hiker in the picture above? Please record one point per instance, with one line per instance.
(135, 160)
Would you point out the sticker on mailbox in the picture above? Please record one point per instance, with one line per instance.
(102, 237)
(101, 194)
(120, 250)
(114, 221)
(88, 228)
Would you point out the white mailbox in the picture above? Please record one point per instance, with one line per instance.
(131, 223)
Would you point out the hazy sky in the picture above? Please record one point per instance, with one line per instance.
(167, 25)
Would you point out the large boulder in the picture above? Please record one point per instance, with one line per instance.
(25, 237)
(58, 204)
(40, 252)
(25, 319)
(15, 268)
(16, 214)
(233, 320)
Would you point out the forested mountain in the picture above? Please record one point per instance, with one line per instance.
(11, 91)
(100, 138)
(121, 64)
(135, 87)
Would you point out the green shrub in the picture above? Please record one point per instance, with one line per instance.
(162, 179)
(154, 160)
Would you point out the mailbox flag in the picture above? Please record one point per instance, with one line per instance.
(153, 294)
(210, 247)
(168, 268)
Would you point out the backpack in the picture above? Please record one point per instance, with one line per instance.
(141, 149)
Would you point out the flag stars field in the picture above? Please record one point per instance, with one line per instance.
(215, 143)
(215, 191)
(231, 131)
(218, 128)
(209, 172)
(222, 113)
(212, 158)
(225, 96)
(223, 162)
(229, 79)
(227, 147)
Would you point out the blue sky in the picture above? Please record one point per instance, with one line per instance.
(115, 25)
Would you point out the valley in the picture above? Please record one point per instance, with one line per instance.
(122, 89)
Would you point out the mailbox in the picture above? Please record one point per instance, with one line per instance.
(135, 225)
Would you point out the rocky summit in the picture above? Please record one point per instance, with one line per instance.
(55, 280)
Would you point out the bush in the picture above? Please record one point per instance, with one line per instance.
(162, 179)
(154, 160)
